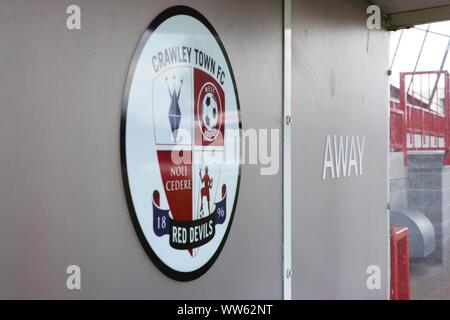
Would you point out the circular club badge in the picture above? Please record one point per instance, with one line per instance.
(180, 143)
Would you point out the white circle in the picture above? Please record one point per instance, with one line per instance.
(155, 90)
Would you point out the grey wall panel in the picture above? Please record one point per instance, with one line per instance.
(340, 88)
(61, 194)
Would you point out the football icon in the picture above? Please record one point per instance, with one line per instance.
(210, 113)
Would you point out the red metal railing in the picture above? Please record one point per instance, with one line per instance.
(418, 113)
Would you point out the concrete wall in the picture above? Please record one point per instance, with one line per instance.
(340, 226)
(429, 192)
(398, 178)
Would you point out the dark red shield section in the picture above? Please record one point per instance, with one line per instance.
(209, 108)
(177, 181)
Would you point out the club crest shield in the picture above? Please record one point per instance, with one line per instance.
(180, 143)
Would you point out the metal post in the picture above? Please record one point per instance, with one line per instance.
(447, 119)
(396, 50)
(418, 57)
(287, 140)
(444, 59)
(403, 106)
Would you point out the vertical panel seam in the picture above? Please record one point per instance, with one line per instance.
(287, 144)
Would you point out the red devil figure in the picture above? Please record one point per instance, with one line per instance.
(208, 183)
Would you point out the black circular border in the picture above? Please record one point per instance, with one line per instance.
(166, 14)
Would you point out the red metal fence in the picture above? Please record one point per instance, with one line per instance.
(419, 109)
(400, 289)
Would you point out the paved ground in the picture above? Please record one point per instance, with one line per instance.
(430, 280)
